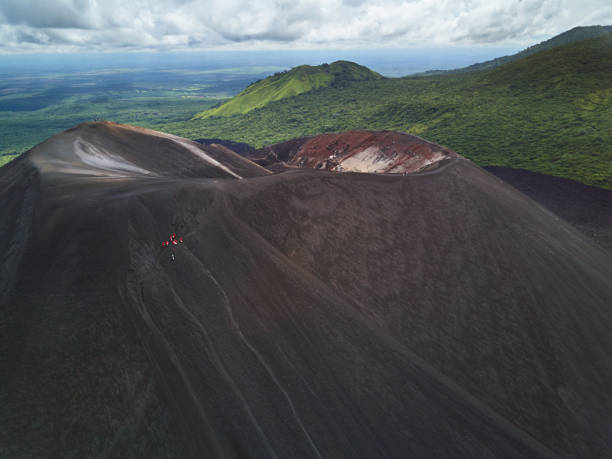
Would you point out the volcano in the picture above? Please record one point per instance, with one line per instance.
(308, 313)
(357, 151)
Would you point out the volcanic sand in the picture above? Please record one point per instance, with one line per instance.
(308, 313)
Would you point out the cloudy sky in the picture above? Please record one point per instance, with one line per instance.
(122, 25)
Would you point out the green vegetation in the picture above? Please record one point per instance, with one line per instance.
(6, 157)
(549, 112)
(36, 105)
(290, 83)
(20, 131)
(565, 38)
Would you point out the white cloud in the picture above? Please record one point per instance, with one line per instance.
(105, 25)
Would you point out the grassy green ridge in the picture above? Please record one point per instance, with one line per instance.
(7, 157)
(549, 112)
(565, 38)
(291, 83)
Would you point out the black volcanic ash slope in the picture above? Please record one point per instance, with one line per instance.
(308, 314)
(588, 208)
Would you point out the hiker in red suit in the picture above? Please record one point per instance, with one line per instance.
(171, 242)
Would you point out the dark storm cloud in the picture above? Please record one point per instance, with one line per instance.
(77, 25)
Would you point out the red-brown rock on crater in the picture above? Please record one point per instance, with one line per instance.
(359, 151)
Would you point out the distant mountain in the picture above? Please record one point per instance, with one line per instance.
(565, 38)
(291, 83)
(548, 112)
(581, 64)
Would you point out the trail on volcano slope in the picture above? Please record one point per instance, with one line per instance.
(474, 277)
(288, 358)
(110, 150)
(307, 314)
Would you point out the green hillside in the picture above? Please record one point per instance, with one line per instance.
(565, 38)
(549, 112)
(291, 83)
